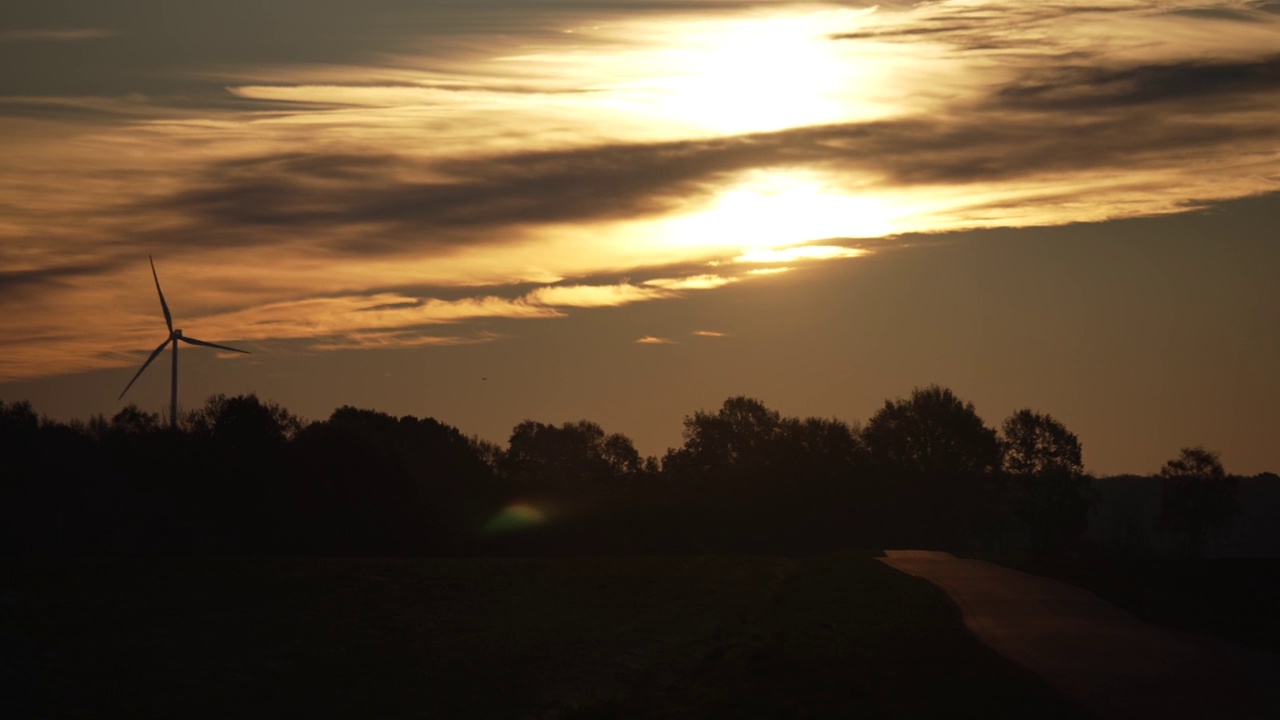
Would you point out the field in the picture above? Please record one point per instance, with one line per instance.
(519, 638)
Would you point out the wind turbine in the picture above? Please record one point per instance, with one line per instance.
(175, 335)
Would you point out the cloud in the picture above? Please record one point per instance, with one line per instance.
(1249, 15)
(65, 35)
(709, 334)
(344, 191)
(652, 340)
(396, 340)
(390, 96)
(589, 296)
(1084, 88)
(49, 277)
(304, 202)
(351, 322)
(1077, 27)
(692, 282)
(377, 204)
(596, 182)
(356, 195)
(86, 109)
(801, 252)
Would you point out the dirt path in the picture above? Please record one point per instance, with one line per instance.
(1097, 654)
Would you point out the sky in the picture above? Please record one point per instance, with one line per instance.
(487, 211)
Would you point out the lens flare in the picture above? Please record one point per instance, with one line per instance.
(514, 517)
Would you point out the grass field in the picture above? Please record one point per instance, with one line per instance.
(504, 638)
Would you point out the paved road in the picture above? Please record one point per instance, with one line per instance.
(1101, 656)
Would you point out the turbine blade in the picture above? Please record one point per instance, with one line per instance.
(168, 319)
(154, 353)
(194, 341)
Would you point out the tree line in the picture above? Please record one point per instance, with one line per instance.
(245, 476)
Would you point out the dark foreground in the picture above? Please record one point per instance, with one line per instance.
(665, 637)
(1237, 599)
(1096, 653)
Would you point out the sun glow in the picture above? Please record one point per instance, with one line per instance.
(682, 77)
(755, 75)
(768, 210)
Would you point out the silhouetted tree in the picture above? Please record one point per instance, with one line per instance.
(23, 502)
(18, 421)
(245, 423)
(1051, 495)
(822, 451)
(755, 480)
(489, 452)
(932, 434)
(737, 442)
(246, 476)
(372, 483)
(1198, 499)
(134, 421)
(1036, 444)
(820, 484)
(574, 458)
(941, 461)
(242, 492)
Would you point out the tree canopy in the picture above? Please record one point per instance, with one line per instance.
(580, 456)
(1050, 494)
(932, 434)
(1198, 500)
(1035, 444)
(245, 475)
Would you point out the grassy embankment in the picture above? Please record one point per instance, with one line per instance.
(662, 637)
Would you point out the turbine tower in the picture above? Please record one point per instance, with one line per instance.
(175, 335)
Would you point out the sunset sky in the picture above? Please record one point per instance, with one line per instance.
(487, 211)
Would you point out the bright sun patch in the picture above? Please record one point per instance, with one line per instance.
(753, 75)
(776, 209)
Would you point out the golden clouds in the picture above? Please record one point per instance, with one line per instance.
(693, 282)
(589, 296)
(391, 340)
(802, 252)
(337, 203)
(593, 295)
(653, 340)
